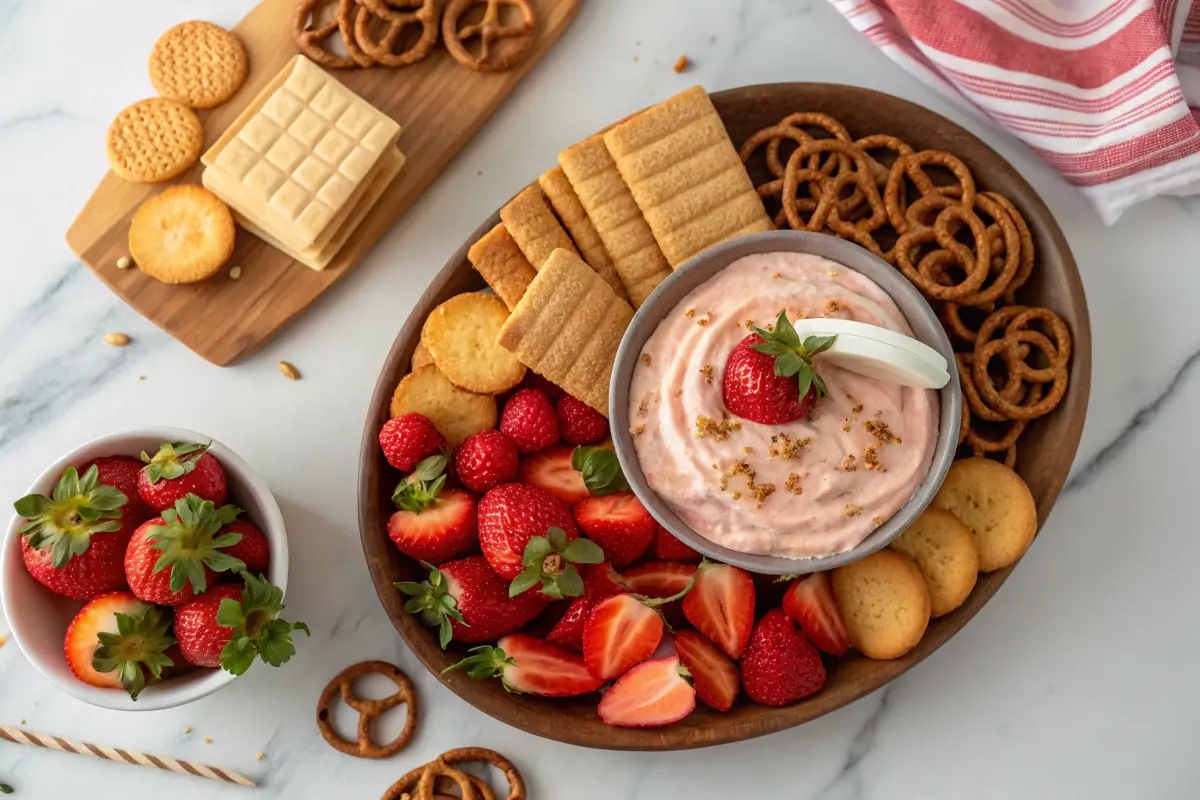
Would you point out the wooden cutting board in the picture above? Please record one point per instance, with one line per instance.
(440, 105)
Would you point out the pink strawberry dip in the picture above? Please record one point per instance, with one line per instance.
(805, 489)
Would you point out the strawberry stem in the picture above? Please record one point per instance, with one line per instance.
(793, 357)
(432, 601)
(485, 662)
(257, 629)
(420, 490)
(188, 542)
(66, 520)
(136, 648)
(550, 560)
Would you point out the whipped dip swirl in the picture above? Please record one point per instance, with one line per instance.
(805, 489)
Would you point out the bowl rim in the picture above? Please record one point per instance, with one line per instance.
(186, 688)
(705, 266)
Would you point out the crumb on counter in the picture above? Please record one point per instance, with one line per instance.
(207, 740)
(259, 757)
(188, 729)
(682, 64)
(2, 641)
(124, 262)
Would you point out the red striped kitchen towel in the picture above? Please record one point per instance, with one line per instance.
(1105, 91)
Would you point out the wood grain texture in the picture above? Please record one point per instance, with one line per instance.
(1046, 452)
(440, 105)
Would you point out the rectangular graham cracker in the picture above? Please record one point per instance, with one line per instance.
(302, 152)
(686, 176)
(567, 328)
(320, 255)
(502, 264)
(618, 220)
(534, 227)
(566, 204)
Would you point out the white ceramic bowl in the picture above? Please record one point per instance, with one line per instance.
(38, 618)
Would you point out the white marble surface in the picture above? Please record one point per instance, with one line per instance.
(1077, 680)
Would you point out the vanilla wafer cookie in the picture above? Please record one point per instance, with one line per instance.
(618, 220)
(686, 176)
(567, 328)
(566, 204)
(198, 64)
(154, 140)
(534, 227)
(502, 264)
(183, 234)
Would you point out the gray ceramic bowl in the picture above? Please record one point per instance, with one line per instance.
(699, 269)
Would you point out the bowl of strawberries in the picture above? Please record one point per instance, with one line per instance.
(146, 569)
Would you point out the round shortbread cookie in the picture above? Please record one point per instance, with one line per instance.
(183, 234)
(154, 140)
(461, 333)
(420, 357)
(945, 551)
(995, 504)
(884, 602)
(198, 64)
(454, 412)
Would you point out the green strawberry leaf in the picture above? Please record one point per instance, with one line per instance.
(257, 629)
(569, 584)
(536, 550)
(600, 469)
(430, 600)
(420, 490)
(138, 647)
(76, 509)
(173, 460)
(529, 577)
(557, 539)
(189, 541)
(548, 559)
(484, 662)
(793, 357)
(583, 551)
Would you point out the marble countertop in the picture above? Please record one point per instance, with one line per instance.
(1078, 679)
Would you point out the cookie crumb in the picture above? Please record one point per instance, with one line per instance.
(636, 59)
(235, 273)
(832, 307)
(681, 64)
(785, 448)
(289, 370)
(116, 339)
(141, 377)
(707, 372)
(207, 740)
(747, 449)
(848, 464)
(22, 722)
(737, 495)
(124, 262)
(871, 458)
(877, 520)
(749, 324)
(259, 757)
(719, 431)
(188, 729)
(857, 409)
(762, 491)
(776, 275)
(793, 484)
(881, 431)
(646, 359)
(852, 510)
(831, 273)
(845, 424)
(691, 312)
(637, 429)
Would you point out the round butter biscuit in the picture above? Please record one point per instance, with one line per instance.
(945, 551)
(420, 357)
(995, 504)
(154, 140)
(454, 412)
(183, 234)
(884, 602)
(198, 64)
(461, 333)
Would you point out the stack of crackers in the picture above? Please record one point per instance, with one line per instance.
(304, 163)
(577, 252)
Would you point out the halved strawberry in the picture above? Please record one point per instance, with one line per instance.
(715, 676)
(661, 579)
(667, 547)
(721, 606)
(603, 579)
(433, 524)
(600, 581)
(649, 695)
(619, 523)
(810, 602)
(623, 630)
(529, 666)
(117, 641)
(551, 471)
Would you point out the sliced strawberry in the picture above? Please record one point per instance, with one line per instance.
(600, 580)
(667, 547)
(529, 666)
(660, 579)
(780, 666)
(649, 695)
(117, 641)
(620, 632)
(810, 602)
(619, 523)
(603, 579)
(551, 471)
(721, 606)
(440, 532)
(715, 676)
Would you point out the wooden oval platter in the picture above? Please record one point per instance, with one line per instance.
(1047, 448)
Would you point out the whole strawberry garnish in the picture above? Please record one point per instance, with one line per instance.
(780, 666)
(530, 421)
(409, 439)
(253, 549)
(231, 625)
(73, 542)
(434, 523)
(177, 556)
(177, 470)
(468, 602)
(769, 377)
(619, 523)
(579, 423)
(512, 514)
(121, 473)
(486, 459)
(118, 641)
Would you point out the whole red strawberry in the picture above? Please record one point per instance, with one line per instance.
(409, 439)
(433, 523)
(252, 550)
(121, 473)
(175, 557)
(485, 460)
(177, 470)
(530, 421)
(469, 603)
(769, 377)
(231, 624)
(73, 542)
(579, 423)
(619, 523)
(780, 666)
(512, 514)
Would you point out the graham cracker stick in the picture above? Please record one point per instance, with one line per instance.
(566, 204)
(567, 328)
(685, 174)
(534, 226)
(502, 264)
(617, 219)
